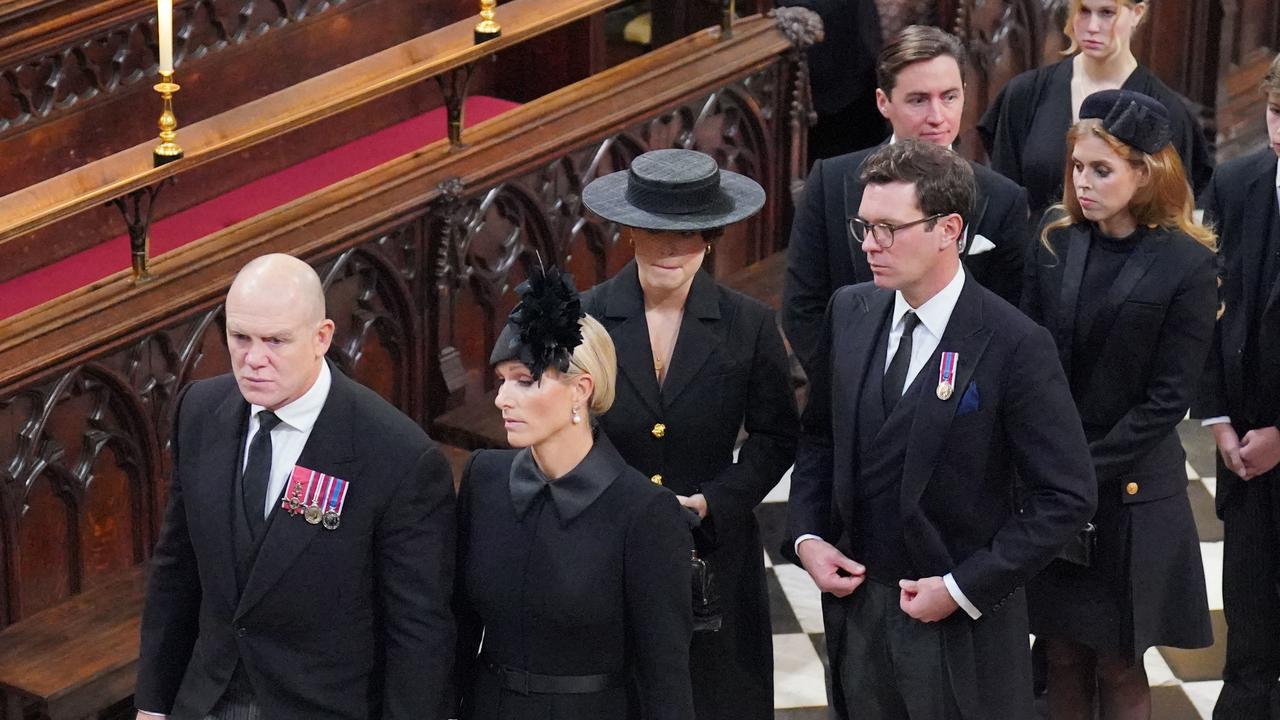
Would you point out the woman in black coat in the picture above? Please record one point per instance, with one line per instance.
(1024, 129)
(1125, 280)
(572, 591)
(698, 363)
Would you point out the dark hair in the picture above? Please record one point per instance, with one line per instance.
(944, 181)
(916, 43)
(1271, 82)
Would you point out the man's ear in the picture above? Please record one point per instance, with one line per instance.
(324, 336)
(952, 231)
(882, 103)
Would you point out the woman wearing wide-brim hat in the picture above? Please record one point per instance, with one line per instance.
(697, 363)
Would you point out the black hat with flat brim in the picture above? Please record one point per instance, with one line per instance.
(674, 190)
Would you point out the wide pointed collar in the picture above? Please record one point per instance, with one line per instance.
(573, 493)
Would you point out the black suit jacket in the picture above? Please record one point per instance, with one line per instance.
(1239, 202)
(1142, 355)
(823, 256)
(352, 623)
(957, 505)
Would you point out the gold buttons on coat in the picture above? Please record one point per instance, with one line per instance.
(658, 430)
(656, 479)
(1131, 488)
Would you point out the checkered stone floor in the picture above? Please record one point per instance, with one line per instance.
(1184, 683)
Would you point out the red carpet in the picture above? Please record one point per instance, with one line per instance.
(40, 286)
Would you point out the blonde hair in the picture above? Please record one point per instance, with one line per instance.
(1164, 201)
(1069, 28)
(596, 357)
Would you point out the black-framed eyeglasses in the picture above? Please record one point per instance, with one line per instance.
(882, 233)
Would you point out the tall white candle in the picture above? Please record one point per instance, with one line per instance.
(164, 29)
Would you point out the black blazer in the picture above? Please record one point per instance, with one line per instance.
(1239, 201)
(1154, 333)
(729, 371)
(588, 577)
(823, 256)
(1144, 352)
(957, 499)
(351, 623)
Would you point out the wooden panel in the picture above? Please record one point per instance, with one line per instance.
(1250, 39)
(418, 258)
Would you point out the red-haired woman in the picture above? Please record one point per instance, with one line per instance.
(1125, 280)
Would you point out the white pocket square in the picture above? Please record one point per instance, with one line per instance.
(980, 245)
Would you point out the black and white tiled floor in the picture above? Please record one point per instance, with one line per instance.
(1184, 684)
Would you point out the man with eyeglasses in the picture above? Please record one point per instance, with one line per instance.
(929, 400)
(921, 77)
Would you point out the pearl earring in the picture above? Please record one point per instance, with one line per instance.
(577, 419)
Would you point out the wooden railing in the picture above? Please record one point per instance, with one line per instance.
(418, 258)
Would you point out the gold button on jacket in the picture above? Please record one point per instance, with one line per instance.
(1131, 488)
(658, 430)
(656, 479)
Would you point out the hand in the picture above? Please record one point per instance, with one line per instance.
(696, 503)
(149, 716)
(1259, 451)
(926, 599)
(831, 571)
(1229, 447)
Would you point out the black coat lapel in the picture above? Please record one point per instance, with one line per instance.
(980, 204)
(1134, 268)
(967, 336)
(1261, 193)
(852, 201)
(697, 339)
(328, 450)
(625, 301)
(212, 496)
(1077, 253)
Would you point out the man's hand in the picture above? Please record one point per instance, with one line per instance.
(696, 503)
(831, 571)
(1259, 451)
(1229, 447)
(149, 716)
(926, 599)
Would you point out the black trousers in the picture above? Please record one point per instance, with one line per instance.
(1251, 599)
(891, 666)
(238, 702)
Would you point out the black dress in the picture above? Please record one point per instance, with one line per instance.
(584, 579)
(1133, 318)
(728, 371)
(1025, 130)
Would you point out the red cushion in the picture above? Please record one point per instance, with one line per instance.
(106, 258)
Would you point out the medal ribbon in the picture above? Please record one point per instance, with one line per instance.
(337, 487)
(295, 489)
(947, 369)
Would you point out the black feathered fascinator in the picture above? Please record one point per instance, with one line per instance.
(1134, 119)
(542, 330)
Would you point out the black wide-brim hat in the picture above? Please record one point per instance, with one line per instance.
(1137, 120)
(674, 190)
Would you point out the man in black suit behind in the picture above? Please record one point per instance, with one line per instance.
(1240, 402)
(305, 566)
(929, 397)
(921, 93)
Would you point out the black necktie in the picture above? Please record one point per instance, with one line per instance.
(895, 378)
(257, 474)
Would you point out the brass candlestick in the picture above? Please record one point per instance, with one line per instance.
(488, 27)
(167, 151)
(726, 20)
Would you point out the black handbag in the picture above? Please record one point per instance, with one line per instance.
(1079, 549)
(706, 601)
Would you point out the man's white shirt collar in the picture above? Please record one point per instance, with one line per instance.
(935, 312)
(301, 414)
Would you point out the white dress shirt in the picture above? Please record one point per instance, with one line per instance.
(1227, 418)
(290, 436)
(934, 315)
